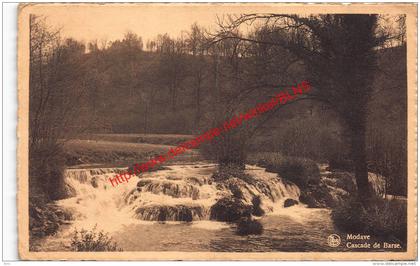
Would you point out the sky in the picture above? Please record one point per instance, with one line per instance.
(109, 22)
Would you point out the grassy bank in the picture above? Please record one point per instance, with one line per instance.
(120, 153)
(162, 139)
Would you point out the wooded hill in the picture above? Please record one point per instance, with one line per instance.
(185, 86)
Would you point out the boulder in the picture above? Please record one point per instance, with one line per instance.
(94, 182)
(249, 226)
(229, 209)
(256, 206)
(318, 197)
(307, 199)
(290, 202)
(69, 191)
(143, 182)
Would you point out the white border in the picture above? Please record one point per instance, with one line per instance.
(9, 123)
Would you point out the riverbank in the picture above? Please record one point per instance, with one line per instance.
(190, 196)
(170, 209)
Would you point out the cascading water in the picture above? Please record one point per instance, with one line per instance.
(95, 202)
(178, 193)
(133, 212)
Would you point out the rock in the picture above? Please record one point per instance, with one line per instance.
(345, 180)
(69, 191)
(174, 178)
(177, 212)
(196, 181)
(249, 226)
(309, 200)
(94, 182)
(61, 214)
(256, 206)
(235, 190)
(143, 182)
(229, 209)
(173, 189)
(290, 202)
(318, 197)
(227, 171)
(240, 189)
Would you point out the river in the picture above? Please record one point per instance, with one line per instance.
(130, 213)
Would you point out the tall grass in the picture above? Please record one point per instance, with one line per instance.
(380, 217)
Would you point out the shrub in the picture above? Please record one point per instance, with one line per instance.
(224, 172)
(301, 171)
(227, 149)
(46, 170)
(380, 217)
(45, 219)
(93, 241)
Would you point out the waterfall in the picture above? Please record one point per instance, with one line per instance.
(178, 193)
(95, 201)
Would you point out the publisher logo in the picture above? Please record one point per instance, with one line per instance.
(334, 240)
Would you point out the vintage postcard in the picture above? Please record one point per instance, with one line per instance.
(212, 131)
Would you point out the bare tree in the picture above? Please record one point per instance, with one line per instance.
(57, 82)
(196, 45)
(340, 58)
(172, 60)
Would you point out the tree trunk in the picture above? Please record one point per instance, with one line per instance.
(145, 121)
(198, 104)
(358, 146)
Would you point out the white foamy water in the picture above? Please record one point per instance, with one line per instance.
(133, 212)
(96, 202)
(179, 193)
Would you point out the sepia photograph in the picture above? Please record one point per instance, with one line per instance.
(210, 131)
